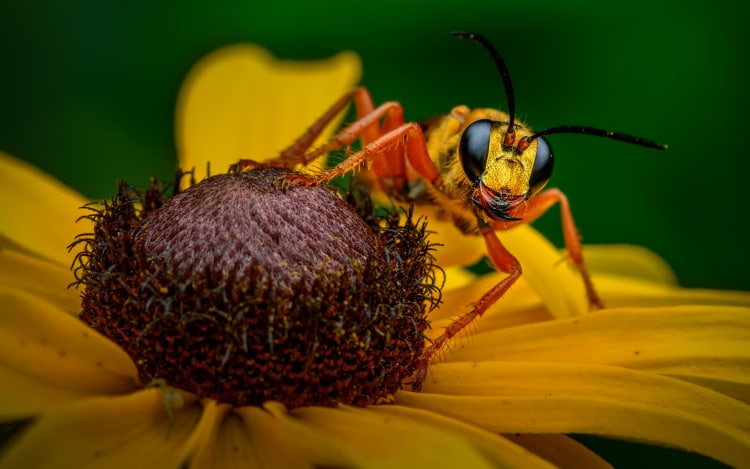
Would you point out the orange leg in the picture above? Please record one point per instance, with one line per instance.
(296, 152)
(535, 208)
(504, 261)
(406, 139)
(368, 127)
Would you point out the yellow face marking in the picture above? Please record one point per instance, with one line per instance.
(508, 171)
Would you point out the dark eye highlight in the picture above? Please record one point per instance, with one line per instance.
(472, 150)
(543, 164)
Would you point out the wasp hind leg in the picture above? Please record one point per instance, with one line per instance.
(406, 140)
(299, 153)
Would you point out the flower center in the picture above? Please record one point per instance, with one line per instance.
(243, 291)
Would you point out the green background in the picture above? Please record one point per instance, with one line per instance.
(87, 92)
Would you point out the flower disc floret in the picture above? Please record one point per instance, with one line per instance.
(244, 290)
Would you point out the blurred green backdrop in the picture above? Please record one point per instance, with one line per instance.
(88, 88)
(87, 92)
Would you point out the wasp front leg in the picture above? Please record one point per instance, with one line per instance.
(536, 207)
(504, 261)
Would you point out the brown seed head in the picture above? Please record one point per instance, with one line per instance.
(244, 291)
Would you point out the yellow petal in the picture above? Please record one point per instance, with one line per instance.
(40, 345)
(555, 280)
(551, 380)
(246, 437)
(241, 102)
(256, 437)
(504, 453)
(47, 280)
(456, 277)
(391, 439)
(705, 343)
(23, 396)
(629, 261)
(454, 247)
(553, 397)
(39, 213)
(520, 305)
(618, 291)
(220, 445)
(123, 432)
(282, 440)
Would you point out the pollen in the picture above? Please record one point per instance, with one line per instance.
(243, 289)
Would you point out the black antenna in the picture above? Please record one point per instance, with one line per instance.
(570, 129)
(579, 129)
(503, 69)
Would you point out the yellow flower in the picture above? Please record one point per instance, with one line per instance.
(663, 364)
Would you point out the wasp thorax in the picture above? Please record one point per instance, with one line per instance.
(241, 290)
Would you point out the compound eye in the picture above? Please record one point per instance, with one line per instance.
(542, 170)
(475, 143)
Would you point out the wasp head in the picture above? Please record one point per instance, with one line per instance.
(505, 166)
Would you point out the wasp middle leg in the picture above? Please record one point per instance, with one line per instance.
(504, 261)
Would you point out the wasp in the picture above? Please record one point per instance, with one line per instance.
(483, 167)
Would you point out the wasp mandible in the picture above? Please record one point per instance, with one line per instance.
(481, 166)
